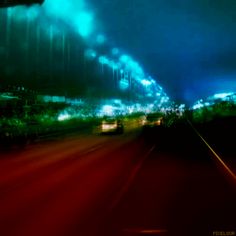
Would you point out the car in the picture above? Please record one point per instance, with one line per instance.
(112, 125)
(153, 120)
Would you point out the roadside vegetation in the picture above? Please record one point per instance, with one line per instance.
(220, 110)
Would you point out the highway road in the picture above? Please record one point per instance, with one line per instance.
(161, 182)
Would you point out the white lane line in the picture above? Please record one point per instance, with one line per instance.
(215, 154)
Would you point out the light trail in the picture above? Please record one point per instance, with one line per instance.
(219, 159)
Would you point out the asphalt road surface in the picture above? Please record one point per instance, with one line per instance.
(159, 182)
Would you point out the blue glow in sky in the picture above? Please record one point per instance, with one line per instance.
(100, 39)
(186, 44)
(115, 51)
(189, 45)
(61, 22)
(73, 13)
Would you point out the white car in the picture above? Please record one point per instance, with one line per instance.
(112, 125)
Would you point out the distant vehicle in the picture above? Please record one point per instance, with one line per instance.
(12, 3)
(154, 120)
(112, 125)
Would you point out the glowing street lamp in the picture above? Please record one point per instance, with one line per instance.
(103, 60)
(84, 24)
(90, 54)
(121, 73)
(146, 82)
(124, 59)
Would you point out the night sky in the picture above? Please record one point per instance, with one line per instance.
(187, 46)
